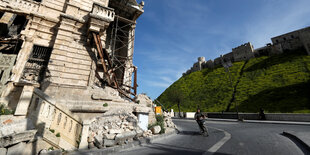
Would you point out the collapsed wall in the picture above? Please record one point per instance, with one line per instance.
(65, 62)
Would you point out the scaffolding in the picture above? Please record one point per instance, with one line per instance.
(114, 64)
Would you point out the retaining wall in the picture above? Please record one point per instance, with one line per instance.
(252, 116)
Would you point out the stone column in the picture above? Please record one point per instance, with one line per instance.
(84, 134)
(24, 101)
(127, 80)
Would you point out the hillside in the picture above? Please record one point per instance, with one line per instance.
(279, 83)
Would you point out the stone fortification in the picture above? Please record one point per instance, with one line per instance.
(299, 39)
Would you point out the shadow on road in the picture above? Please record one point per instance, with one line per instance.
(191, 133)
(299, 145)
(171, 149)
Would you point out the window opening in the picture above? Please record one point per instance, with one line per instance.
(36, 65)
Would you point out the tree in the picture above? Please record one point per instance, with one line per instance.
(176, 96)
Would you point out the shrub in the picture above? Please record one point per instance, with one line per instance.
(58, 134)
(52, 130)
(160, 122)
(5, 111)
(105, 104)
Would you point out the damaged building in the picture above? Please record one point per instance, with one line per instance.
(63, 63)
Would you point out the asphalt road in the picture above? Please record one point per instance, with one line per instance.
(226, 138)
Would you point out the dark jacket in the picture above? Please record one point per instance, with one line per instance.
(199, 116)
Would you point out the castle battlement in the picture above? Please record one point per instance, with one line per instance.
(299, 39)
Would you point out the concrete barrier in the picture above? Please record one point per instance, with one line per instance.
(288, 117)
(255, 116)
(189, 114)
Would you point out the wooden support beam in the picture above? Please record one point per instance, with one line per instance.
(135, 85)
(104, 52)
(101, 58)
(128, 86)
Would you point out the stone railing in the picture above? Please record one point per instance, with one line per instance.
(61, 128)
(24, 5)
(103, 12)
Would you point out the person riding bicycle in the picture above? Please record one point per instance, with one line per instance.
(199, 117)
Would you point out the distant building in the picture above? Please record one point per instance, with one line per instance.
(299, 39)
(294, 40)
(243, 52)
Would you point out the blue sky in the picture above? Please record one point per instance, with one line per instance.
(171, 34)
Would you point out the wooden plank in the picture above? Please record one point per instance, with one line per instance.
(101, 58)
(135, 81)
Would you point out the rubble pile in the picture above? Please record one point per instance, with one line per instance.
(116, 127)
(168, 121)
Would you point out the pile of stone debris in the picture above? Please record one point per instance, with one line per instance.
(14, 136)
(120, 127)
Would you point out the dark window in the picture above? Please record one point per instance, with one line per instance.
(277, 41)
(1, 14)
(284, 38)
(37, 64)
(292, 36)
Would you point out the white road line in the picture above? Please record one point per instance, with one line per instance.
(220, 143)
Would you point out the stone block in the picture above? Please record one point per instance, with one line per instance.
(139, 132)
(3, 151)
(109, 136)
(108, 142)
(125, 135)
(98, 141)
(112, 131)
(17, 149)
(24, 101)
(156, 129)
(16, 138)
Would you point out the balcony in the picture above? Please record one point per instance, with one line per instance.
(28, 6)
(100, 17)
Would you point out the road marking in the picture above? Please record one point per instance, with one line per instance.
(220, 143)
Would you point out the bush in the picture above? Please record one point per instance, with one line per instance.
(160, 122)
(105, 104)
(58, 134)
(5, 111)
(52, 130)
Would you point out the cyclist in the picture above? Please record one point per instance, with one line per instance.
(199, 117)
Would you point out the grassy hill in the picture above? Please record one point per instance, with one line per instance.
(279, 83)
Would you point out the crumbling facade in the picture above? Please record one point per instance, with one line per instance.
(70, 49)
(64, 63)
(299, 39)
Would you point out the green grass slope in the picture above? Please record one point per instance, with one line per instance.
(278, 83)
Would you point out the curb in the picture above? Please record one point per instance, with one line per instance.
(113, 150)
(291, 135)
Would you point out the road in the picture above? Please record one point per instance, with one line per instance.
(226, 138)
